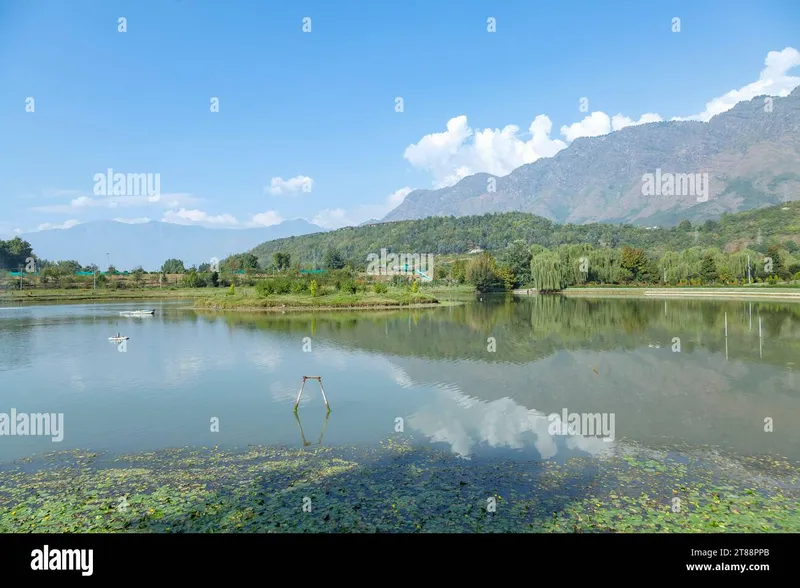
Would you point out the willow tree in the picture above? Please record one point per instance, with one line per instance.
(483, 272)
(547, 272)
(575, 262)
(604, 266)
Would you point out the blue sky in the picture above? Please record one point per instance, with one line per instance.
(321, 104)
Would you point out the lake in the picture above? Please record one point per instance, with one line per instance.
(477, 380)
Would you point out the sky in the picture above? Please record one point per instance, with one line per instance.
(247, 113)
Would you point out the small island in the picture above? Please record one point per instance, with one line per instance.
(287, 294)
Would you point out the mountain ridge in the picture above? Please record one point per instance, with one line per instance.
(599, 179)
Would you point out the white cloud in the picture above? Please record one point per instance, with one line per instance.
(461, 151)
(291, 186)
(332, 219)
(773, 81)
(190, 217)
(266, 219)
(228, 221)
(50, 226)
(338, 217)
(133, 221)
(84, 202)
(599, 123)
(449, 157)
(396, 198)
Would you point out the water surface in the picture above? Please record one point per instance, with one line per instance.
(478, 380)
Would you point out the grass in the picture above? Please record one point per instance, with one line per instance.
(395, 488)
(70, 295)
(764, 292)
(248, 300)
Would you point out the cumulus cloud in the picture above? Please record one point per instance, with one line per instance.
(773, 81)
(202, 218)
(84, 202)
(266, 219)
(50, 226)
(461, 151)
(190, 217)
(338, 217)
(449, 157)
(291, 186)
(133, 221)
(599, 123)
(332, 218)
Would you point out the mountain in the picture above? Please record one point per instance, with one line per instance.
(751, 153)
(150, 244)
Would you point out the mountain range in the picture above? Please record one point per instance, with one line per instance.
(150, 244)
(751, 154)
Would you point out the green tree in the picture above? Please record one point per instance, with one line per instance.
(546, 272)
(517, 257)
(214, 279)
(685, 225)
(282, 260)
(333, 259)
(482, 272)
(313, 288)
(15, 253)
(138, 276)
(414, 287)
(192, 279)
(708, 270)
(636, 262)
(459, 271)
(173, 266)
(778, 266)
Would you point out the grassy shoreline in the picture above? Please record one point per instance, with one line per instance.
(398, 487)
(245, 298)
(783, 294)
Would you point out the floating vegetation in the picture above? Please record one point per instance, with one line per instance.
(398, 487)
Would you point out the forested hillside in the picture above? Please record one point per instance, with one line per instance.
(753, 229)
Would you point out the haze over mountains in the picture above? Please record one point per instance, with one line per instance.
(150, 244)
(751, 153)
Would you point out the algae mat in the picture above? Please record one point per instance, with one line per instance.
(398, 487)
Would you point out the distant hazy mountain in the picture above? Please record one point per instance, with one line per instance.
(150, 244)
(751, 153)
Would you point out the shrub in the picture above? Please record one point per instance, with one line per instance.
(232, 291)
(415, 287)
(313, 288)
(299, 286)
(264, 288)
(349, 286)
(380, 288)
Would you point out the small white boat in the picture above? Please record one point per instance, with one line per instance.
(117, 339)
(137, 312)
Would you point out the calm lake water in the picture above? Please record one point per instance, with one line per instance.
(477, 380)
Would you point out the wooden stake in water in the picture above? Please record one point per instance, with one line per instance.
(726, 324)
(299, 394)
(760, 340)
